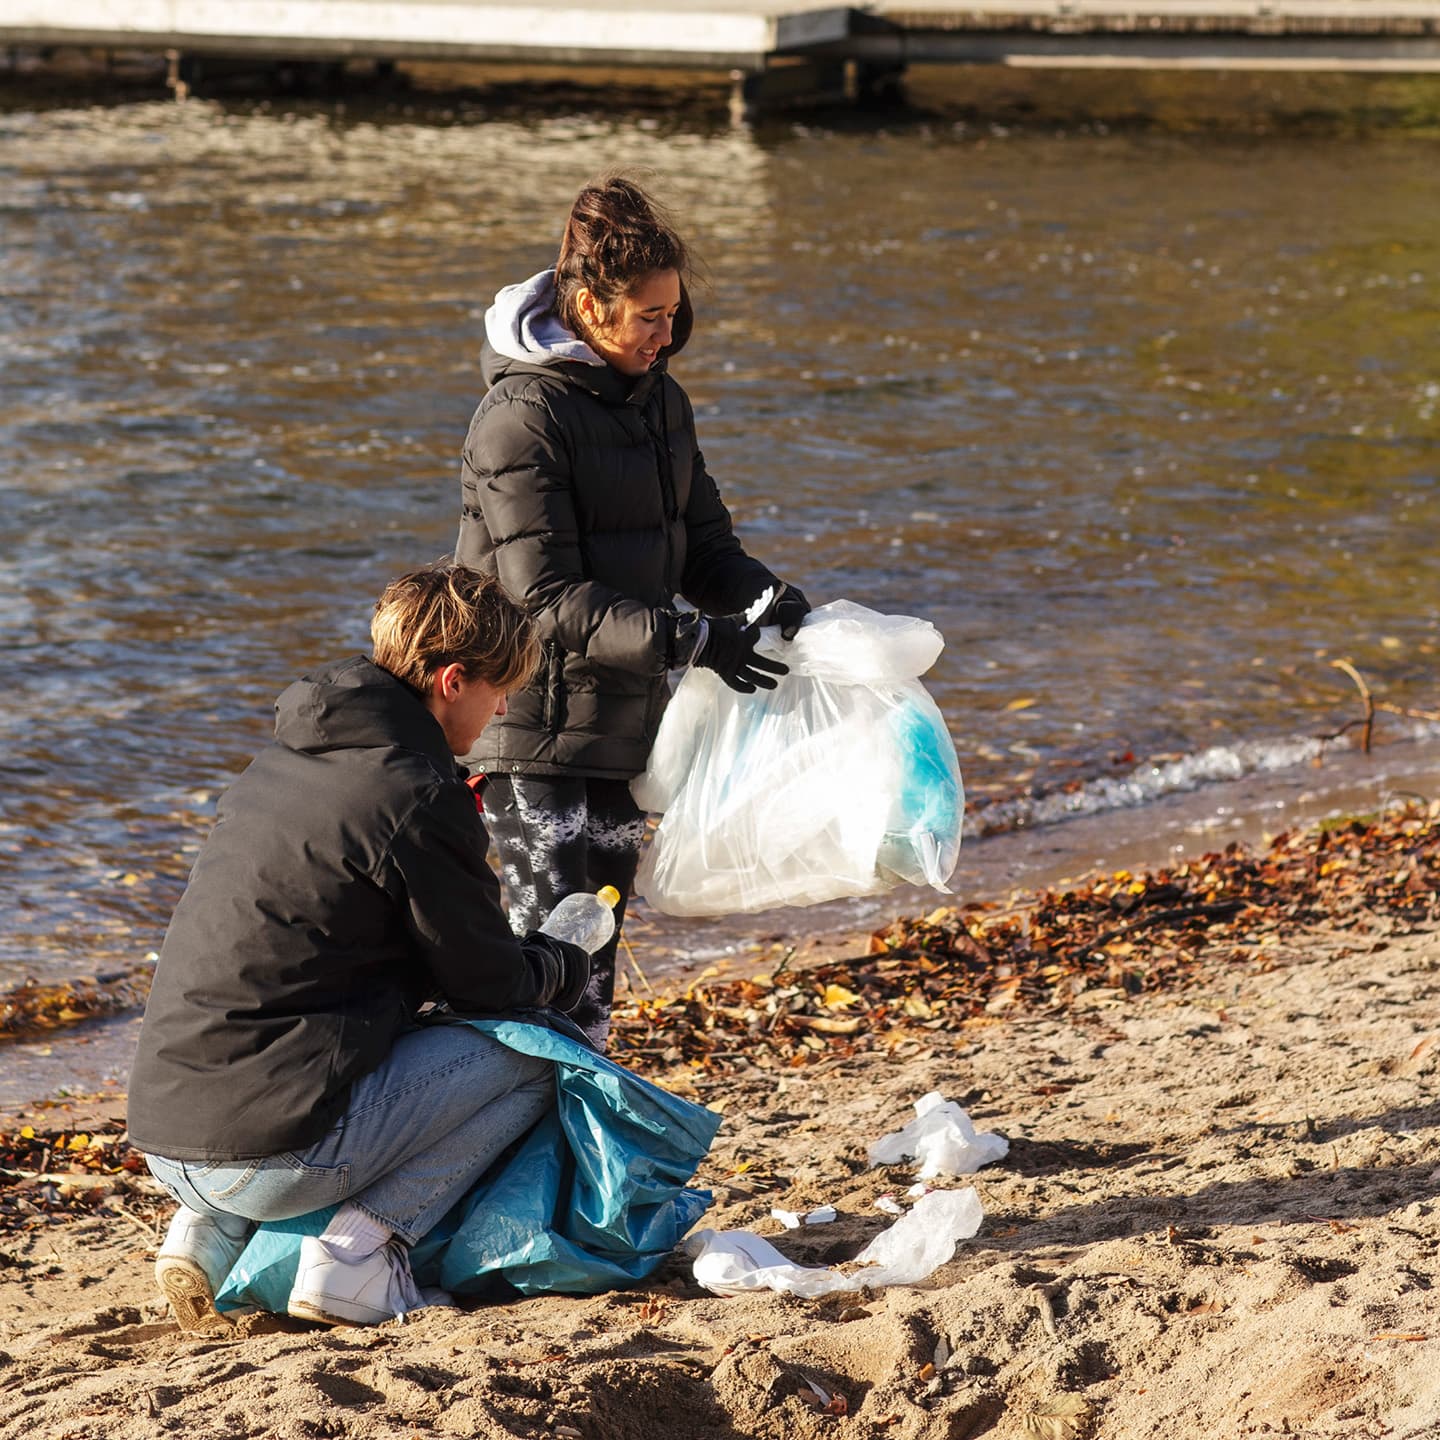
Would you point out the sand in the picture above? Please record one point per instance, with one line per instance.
(1217, 1218)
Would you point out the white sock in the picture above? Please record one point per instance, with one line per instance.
(354, 1233)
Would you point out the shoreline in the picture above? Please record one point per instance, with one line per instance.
(1217, 1216)
(996, 868)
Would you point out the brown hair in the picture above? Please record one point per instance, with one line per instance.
(450, 614)
(617, 235)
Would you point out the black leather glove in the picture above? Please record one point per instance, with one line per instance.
(787, 610)
(563, 969)
(729, 650)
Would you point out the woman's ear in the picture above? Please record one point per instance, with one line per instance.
(592, 314)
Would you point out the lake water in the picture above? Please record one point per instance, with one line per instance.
(1146, 424)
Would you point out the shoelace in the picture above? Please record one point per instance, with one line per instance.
(403, 1294)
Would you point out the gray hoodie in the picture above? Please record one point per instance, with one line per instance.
(522, 325)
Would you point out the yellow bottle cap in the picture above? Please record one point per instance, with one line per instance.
(608, 895)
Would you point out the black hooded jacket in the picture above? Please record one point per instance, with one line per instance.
(585, 492)
(344, 882)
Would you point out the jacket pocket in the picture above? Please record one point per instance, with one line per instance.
(552, 711)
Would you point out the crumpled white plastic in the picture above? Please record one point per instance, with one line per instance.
(734, 1262)
(942, 1139)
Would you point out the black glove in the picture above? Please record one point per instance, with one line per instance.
(729, 650)
(787, 610)
(563, 969)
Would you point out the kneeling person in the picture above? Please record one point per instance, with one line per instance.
(281, 1065)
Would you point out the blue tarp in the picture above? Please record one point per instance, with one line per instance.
(594, 1198)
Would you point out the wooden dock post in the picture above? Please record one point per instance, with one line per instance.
(783, 82)
(877, 83)
(176, 80)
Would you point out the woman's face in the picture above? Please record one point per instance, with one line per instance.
(631, 333)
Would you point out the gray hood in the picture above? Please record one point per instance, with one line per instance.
(522, 325)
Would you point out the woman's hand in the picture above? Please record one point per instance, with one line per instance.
(788, 612)
(729, 650)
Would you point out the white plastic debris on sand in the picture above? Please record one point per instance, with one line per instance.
(942, 1139)
(821, 1215)
(735, 1262)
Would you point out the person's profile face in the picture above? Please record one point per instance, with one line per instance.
(631, 334)
(464, 705)
(481, 703)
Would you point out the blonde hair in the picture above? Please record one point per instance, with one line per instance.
(450, 614)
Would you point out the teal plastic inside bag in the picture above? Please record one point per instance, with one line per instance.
(922, 837)
(593, 1199)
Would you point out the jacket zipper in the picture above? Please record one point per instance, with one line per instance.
(550, 710)
(661, 441)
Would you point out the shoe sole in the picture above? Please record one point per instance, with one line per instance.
(309, 1310)
(192, 1300)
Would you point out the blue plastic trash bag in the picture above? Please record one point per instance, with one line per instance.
(842, 781)
(594, 1198)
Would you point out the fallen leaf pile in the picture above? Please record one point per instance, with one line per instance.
(47, 1175)
(1120, 933)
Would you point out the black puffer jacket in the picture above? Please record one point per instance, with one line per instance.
(344, 882)
(585, 491)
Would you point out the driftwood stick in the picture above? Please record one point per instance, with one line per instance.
(1347, 668)
(1407, 713)
(630, 955)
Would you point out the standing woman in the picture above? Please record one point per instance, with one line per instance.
(584, 491)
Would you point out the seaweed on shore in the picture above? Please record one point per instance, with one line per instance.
(34, 1008)
(1119, 934)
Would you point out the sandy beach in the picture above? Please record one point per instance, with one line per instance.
(1217, 1217)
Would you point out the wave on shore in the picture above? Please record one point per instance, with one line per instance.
(1173, 775)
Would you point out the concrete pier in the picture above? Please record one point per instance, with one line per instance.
(778, 51)
(721, 34)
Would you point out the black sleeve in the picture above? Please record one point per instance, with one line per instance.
(451, 904)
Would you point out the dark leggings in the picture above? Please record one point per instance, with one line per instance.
(554, 835)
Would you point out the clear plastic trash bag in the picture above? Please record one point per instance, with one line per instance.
(842, 781)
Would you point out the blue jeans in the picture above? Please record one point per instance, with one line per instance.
(418, 1132)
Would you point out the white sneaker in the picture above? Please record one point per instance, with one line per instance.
(198, 1252)
(336, 1289)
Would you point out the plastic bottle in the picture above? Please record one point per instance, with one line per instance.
(584, 919)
